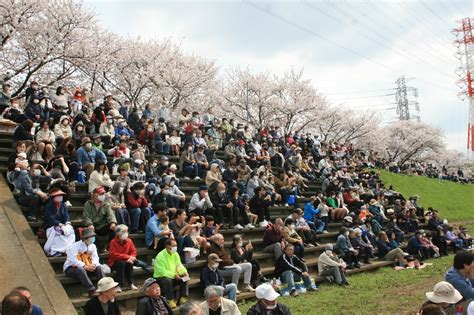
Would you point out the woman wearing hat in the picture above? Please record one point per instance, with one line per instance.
(104, 303)
(443, 297)
(59, 231)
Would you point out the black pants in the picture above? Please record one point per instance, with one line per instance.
(123, 270)
(32, 202)
(263, 213)
(217, 213)
(167, 287)
(241, 212)
(104, 231)
(83, 276)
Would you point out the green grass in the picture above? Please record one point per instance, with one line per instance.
(453, 200)
(385, 291)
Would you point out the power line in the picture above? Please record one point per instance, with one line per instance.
(309, 31)
(360, 92)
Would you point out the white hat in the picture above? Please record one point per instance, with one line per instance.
(265, 291)
(173, 166)
(444, 292)
(348, 218)
(105, 284)
(21, 155)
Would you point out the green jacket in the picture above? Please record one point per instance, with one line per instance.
(167, 265)
(98, 217)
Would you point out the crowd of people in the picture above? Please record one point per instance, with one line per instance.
(122, 154)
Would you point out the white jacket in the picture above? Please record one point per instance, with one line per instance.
(78, 248)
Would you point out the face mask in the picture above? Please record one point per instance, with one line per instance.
(240, 244)
(58, 199)
(171, 183)
(124, 236)
(214, 266)
(328, 252)
(292, 226)
(80, 128)
(174, 249)
(65, 122)
(151, 192)
(36, 101)
(110, 121)
(166, 163)
(90, 240)
(154, 164)
(17, 169)
(270, 307)
(346, 234)
(88, 146)
(101, 198)
(37, 172)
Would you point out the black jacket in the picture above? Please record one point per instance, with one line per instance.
(292, 263)
(211, 277)
(93, 307)
(145, 306)
(281, 309)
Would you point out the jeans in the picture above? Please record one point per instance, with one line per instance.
(289, 277)
(162, 147)
(136, 214)
(231, 291)
(123, 270)
(32, 202)
(235, 270)
(191, 170)
(83, 276)
(167, 287)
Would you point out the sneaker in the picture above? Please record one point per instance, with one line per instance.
(309, 245)
(133, 287)
(68, 204)
(238, 292)
(238, 227)
(325, 232)
(183, 300)
(248, 288)
(118, 289)
(31, 218)
(197, 178)
(286, 205)
(172, 303)
(186, 177)
(293, 293)
(264, 223)
(249, 226)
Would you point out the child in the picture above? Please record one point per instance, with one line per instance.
(253, 218)
(210, 229)
(163, 227)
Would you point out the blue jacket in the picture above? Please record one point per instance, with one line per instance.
(413, 245)
(24, 183)
(343, 244)
(211, 277)
(152, 230)
(465, 286)
(310, 211)
(85, 157)
(123, 131)
(53, 216)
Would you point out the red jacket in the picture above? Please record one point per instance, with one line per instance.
(119, 251)
(139, 202)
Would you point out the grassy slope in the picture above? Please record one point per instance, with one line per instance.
(387, 291)
(454, 201)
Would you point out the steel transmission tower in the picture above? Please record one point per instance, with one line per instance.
(403, 102)
(465, 44)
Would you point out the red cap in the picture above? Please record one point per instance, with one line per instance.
(99, 190)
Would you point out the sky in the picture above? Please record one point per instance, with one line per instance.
(353, 51)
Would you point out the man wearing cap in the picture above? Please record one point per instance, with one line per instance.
(87, 155)
(267, 303)
(444, 296)
(216, 304)
(98, 214)
(104, 303)
(82, 260)
(107, 130)
(153, 303)
(461, 274)
(59, 231)
(200, 202)
(332, 267)
(169, 272)
(210, 276)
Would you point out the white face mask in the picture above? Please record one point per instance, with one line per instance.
(101, 198)
(89, 146)
(65, 122)
(292, 226)
(271, 307)
(154, 164)
(80, 128)
(214, 266)
(37, 172)
(346, 233)
(328, 252)
(58, 199)
(240, 244)
(166, 163)
(124, 236)
(174, 249)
